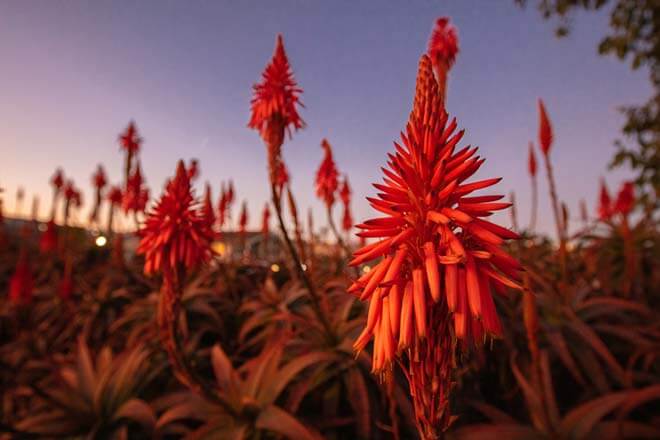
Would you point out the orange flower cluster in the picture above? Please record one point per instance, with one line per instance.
(327, 176)
(175, 234)
(436, 247)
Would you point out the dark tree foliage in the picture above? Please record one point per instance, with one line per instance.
(635, 36)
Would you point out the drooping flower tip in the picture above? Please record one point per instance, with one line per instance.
(274, 106)
(175, 234)
(545, 129)
(443, 44)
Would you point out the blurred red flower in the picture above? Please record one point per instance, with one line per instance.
(175, 233)
(327, 176)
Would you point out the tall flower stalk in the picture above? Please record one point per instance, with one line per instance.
(545, 143)
(532, 168)
(57, 182)
(274, 112)
(440, 260)
(175, 240)
(99, 181)
(130, 142)
(327, 183)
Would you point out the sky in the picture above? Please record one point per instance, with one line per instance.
(73, 73)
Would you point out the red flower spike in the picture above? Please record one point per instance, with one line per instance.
(193, 169)
(115, 195)
(243, 219)
(57, 181)
(625, 200)
(531, 164)
(136, 195)
(281, 176)
(327, 176)
(129, 139)
(604, 202)
(99, 179)
(48, 240)
(545, 130)
(207, 207)
(276, 98)
(426, 199)
(175, 234)
(21, 283)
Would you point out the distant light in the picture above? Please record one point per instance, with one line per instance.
(304, 266)
(101, 241)
(219, 248)
(275, 267)
(366, 269)
(42, 227)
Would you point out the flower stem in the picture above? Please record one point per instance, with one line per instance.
(314, 296)
(555, 210)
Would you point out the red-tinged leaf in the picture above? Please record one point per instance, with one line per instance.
(139, 411)
(625, 429)
(358, 397)
(580, 421)
(497, 431)
(590, 336)
(275, 419)
(558, 342)
(496, 415)
(534, 404)
(637, 399)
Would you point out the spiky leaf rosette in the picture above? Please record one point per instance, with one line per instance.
(436, 247)
(327, 176)
(176, 234)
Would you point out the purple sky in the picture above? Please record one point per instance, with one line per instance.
(73, 74)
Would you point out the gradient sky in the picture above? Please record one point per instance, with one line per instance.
(74, 72)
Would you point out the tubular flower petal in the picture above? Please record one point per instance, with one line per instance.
(175, 234)
(432, 212)
(327, 176)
